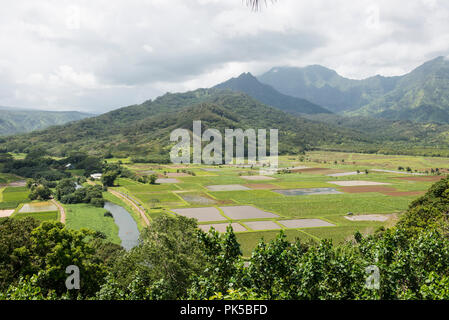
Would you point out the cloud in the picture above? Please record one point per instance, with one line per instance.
(99, 55)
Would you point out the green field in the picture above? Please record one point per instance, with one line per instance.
(7, 177)
(80, 216)
(11, 197)
(41, 216)
(11, 194)
(191, 191)
(160, 199)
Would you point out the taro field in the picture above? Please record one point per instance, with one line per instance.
(315, 197)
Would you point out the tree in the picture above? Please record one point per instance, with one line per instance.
(162, 266)
(15, 239)
(40, 192)
(223, 264)
(53, 248)
(108, 178)
(153, 179)
(65, 187)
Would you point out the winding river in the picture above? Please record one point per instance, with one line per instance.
(128, 231)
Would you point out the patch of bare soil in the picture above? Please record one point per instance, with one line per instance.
(364, 189)
(260, 186)
(404, 193)
(422, 178)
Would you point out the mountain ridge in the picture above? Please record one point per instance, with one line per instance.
(145, 128)
(424, 90)
(266, 94)
(18, 120)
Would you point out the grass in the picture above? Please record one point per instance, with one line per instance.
(330, 208)
(341, 233)
(340, 204)
(9, 205)
(391, 162)
(7, 177)
(41, 216)
(249, 240)
(80, 216)
(19, 194)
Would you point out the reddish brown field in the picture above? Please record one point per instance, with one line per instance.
(422, 178)
(404, 193)
(364, 189)
(177, 174)
(260, 186)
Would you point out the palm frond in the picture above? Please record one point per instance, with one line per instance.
(256, 4)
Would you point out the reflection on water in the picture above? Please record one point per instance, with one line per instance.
(128, 232)
(308, 191)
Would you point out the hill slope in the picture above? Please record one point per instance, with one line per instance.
(326, 87)
(421, 95)
(13, 121)
(266, 94)
(145, 129)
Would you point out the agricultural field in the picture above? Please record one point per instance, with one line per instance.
(11, 197)
(40, 210)
(83, 215)
(322, 195)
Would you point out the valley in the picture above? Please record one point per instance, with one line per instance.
(359, 194)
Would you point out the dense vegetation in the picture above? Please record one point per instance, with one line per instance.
(175, 260)
(395, 136)
(144, 130)
(420, 95)
(66, 192)
(14, 121)
(266, 94)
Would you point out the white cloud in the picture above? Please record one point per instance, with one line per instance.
(99, 55)
(148, 48)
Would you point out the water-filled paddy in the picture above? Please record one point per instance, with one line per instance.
(38, 207)
(308, 191)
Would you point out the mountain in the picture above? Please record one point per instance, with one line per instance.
(421, 95)
(145, 129)
(416, 134)
(266, 94)
(326, 87)
(13, 121)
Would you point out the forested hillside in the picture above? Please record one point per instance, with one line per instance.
(326, 87)
(266, 94)
(421, 95)
(145, 129)
(14, 121)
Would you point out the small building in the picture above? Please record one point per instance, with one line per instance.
(96, 176)
(68, 166)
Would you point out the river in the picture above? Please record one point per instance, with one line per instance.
(128, 231)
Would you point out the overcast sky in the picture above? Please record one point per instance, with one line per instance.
(100, 55)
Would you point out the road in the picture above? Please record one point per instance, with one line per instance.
(61, 210)
(129, 200)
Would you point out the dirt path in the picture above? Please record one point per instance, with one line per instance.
(61, 210)
(127, 199)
